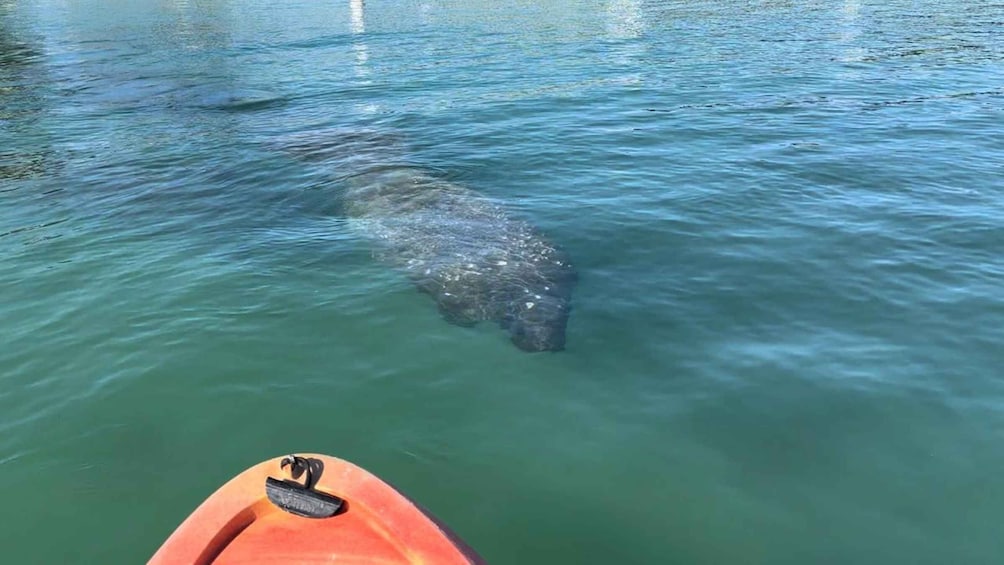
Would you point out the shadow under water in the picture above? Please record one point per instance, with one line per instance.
(24, 153)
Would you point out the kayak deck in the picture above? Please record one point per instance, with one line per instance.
(376, 524)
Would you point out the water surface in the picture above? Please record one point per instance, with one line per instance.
(786, 218)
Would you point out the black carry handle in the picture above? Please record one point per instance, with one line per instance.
(298, 499)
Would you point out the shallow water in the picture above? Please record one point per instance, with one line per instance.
(787, 219)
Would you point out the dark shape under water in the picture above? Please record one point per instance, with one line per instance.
(240, 100)
(461, 248)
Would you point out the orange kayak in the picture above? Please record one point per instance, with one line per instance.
(311, 509)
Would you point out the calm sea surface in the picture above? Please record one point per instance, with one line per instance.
(787, 342)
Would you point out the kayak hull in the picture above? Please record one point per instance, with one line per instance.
(376, 524)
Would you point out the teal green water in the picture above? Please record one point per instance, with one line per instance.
(787, 219)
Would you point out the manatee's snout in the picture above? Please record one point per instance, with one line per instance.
(539, 324)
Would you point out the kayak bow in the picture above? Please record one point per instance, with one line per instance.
(327, 511)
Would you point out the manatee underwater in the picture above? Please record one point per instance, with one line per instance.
(469, 254)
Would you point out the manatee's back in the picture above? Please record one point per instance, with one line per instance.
(465, 250)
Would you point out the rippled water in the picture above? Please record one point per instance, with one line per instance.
(787, 219)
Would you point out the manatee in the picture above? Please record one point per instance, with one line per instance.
(241, 100)
(477, 261)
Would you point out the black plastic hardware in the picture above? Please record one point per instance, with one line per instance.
(301, 500)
